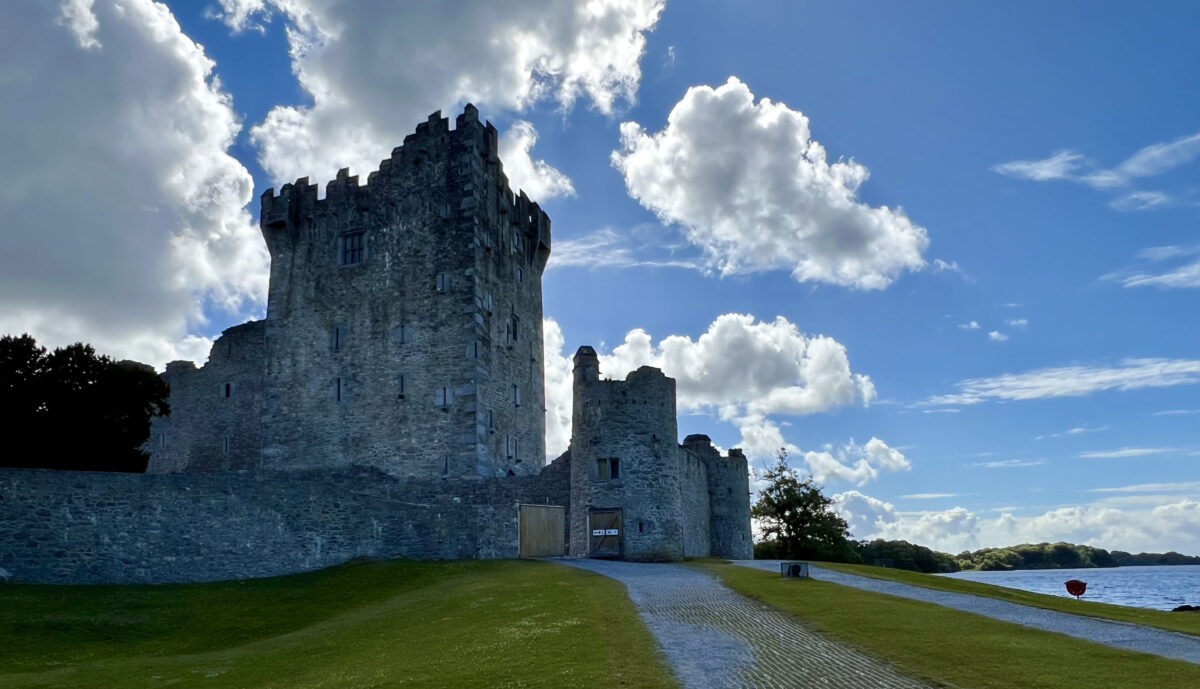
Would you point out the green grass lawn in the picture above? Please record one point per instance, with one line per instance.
(381, 624)
(952, 648)
(1187, 623)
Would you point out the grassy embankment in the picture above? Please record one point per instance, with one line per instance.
(1187, 623)
(381, 624)
(951, 648)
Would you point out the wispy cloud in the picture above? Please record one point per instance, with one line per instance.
(947, 410)
(1072, 381)
(1173, 412)
(1017, 322)
(973, 325)
(1074, 431)
(1151, 488)
(1141, 201)
(1008, 463)
(1072, 166)
(1062, 165)
(1181, 275)
(930, 496)
(1127, 452)
(1156, 159)
(997, 336)
(610, 248)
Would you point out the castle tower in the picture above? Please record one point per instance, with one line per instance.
(403, 328)
(626, 471)
(404, 322)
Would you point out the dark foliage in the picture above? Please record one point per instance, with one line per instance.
(797, 521)
(1125, 559)
(1063, 556)
(905, 555)
(74, 409)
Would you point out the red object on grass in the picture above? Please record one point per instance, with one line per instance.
(1076, 587)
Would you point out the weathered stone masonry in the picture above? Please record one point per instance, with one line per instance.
(403, 328)
(676, 501)
(83, 527)
(391, 404)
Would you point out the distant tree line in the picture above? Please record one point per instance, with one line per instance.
(1063, 556)
(74, 409)
(797, 522)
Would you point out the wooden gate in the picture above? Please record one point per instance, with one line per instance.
(540, 531)
(605, 526)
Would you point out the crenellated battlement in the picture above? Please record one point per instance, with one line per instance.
(466, 157)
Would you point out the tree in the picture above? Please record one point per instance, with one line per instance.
(74, 409)
(797, 520)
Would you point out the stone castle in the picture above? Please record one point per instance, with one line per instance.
(391, 404)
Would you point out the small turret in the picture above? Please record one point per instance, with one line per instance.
(587, 365)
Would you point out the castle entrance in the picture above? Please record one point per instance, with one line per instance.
(540, 531)
(605, 527)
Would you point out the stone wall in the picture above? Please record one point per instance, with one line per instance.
(694, 501)
(214, 421)
(83, 527)
(728, 493)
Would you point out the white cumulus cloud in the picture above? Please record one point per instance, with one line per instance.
(742, 368)
(124, 212)
(535, 177)
(756, 192)
(1170, 525)
(374, 68)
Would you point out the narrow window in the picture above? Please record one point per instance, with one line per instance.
(228, 389)
(400, 385)
(442, 397)
(162, 440)
(337, 338)
(508, 446)
(608, 469)
(338, 390)
(403, 334)
(520, 275)
(443, 282)
(491, 420)
(516, 451)
(516, 394)
(225, 445)
(641, 527)
(446, 465)
(516, 326)
(473, 350)
(488, 303)
(354, 248)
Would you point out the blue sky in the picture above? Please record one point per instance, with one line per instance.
(963, 239)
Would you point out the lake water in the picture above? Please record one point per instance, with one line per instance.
(1161, 588)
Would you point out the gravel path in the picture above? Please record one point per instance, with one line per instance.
(1133, 637)
(716, 638)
